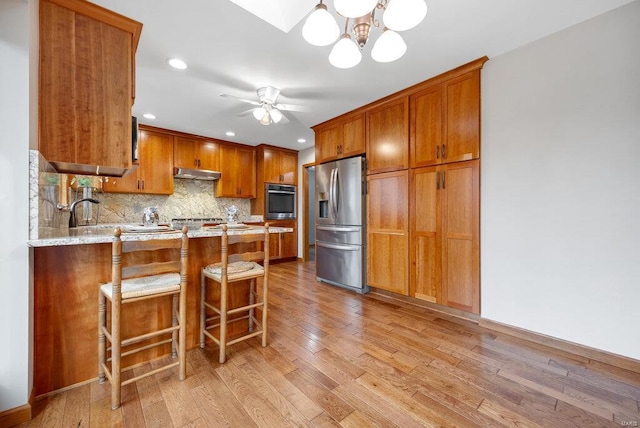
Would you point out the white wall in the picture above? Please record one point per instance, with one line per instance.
(15, 320)
(560, 184)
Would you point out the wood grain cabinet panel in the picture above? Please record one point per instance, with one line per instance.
(283, 245)
(387, 231)
(388, 137)
(86, 87)
(196, 154)
(237, 172)
(342, 137)
(154, 174)
(426, 126)
(277, 166)
(445, 235)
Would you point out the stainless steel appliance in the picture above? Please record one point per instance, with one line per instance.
(340, 223)
(280, 202)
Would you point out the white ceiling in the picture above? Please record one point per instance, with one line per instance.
(230, 50)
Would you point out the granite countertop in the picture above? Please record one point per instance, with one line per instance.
(103, 233)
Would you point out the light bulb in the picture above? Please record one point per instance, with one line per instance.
(266, 119)
(389, 47)
(345, 53)
(320, 28)
(404, 15)
(354, 8)
(259, 113)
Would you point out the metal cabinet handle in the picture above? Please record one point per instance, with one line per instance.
(438, 152)
(442, 180)
(444, 152)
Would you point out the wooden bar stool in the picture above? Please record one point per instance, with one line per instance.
(142, 270)
(238, 264)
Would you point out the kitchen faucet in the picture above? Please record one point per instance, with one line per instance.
(73, 221)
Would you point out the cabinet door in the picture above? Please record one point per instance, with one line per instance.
(128, 183)
(289, 168)
(388, 137)
(85, 86)
(461, 236)
(289, 241)
(227, 185)
(327, 140)
(462, 124)
(426, 127)
(209, 155)
(156, 163)
(353, 141)
(246, 173)
(425, 235)
(271, 166)
(387, 231)
(184, 153)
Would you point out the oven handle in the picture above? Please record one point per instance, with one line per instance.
(339, 247)
(281, 191)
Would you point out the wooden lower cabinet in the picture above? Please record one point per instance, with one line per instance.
(283, 245)
(388, 231)
(445, 235)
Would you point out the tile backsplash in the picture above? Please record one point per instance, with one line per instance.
(191, 198)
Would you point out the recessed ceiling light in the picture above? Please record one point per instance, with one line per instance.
(230, 134)
(149, 116)
(177, 63)
(301, 140)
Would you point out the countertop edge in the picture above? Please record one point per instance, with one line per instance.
(102, 238)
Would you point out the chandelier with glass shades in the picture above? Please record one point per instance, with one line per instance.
(321, 28)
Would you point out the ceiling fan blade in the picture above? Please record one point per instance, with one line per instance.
(245, 113)
(252, 102)
(291, 107)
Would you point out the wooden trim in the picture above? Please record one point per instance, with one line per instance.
(281, 149)
(564, 345)
(165, 131)
(465, 68)
(305, 216)
(18, 415)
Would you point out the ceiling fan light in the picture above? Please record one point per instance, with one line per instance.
(276, 115)
(320, 28)
(404, 15)
(345, 53)
(389, 47)
(259, 113)
(354, 8)
(266, 119)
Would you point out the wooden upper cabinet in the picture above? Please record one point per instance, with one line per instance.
(462, 125)
(340, 138)
(388, 231)
(196, 154)
(86, 87)
(277, 166)
(154, 174)
(388, 137)
(425, 124)
(445, 122)
(237, 172)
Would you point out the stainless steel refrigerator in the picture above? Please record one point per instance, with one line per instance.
(340, 223)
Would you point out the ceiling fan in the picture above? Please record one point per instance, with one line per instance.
(267, 111)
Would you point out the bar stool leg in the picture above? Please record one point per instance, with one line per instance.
(223, 321)
(203, 309)
(265, 290)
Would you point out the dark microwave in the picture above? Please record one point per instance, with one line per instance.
(280, 202)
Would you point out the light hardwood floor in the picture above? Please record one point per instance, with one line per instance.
(339, 359)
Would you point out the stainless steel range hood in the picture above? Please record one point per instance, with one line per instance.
(196, 174)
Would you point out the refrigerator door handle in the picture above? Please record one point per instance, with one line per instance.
(339, 247)
(339, 229)
(336, 195)
(331, 195)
